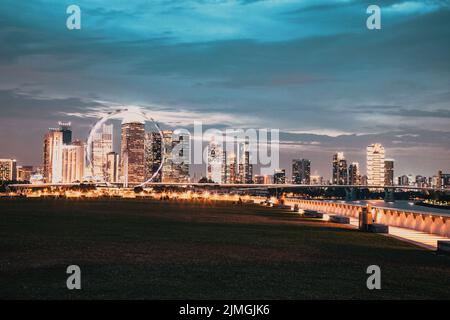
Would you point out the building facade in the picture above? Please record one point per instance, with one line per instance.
(279, 176)
(375, 165)
(339, 172)
(301, 171)
(102, 144)
(112, 167)
(8, 170)
(388, 172)
(73, 162)
(132, 153)
(354, 176)
(153, 155)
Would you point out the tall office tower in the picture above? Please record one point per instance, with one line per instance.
(231, 168)
(167, 154)
(301, 171)
(375, 165)
(180, 157)
(403, 180)
(354, 177)
(53, 145)
(132, 153)
(153, 155)
(112, 167)
(102, 144)
(225, 171)
(24, 173)
(339, 175)
(215, 162)
(73, 162)
(439, 183)
(279, 176)
(389, 172)
(64, 127)
(244, 167)
(8, 170)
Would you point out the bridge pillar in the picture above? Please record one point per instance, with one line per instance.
(389, 194)
(351, 194)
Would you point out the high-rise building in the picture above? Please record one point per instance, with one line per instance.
(112, 167)
(230, 168)
(403, 180)
(153, 155)
(167, 154)
(8, 170)
(66, 130)
(301, 171)
(375, 165)
(354, 177)
(24, 173)
(102, 144)
(245, 168)
(279, 176)
(389, 172)
(215, 162)
(180, 157)
(73, 162)
(339, 174)
(132, 153)
(53, 145)
(176, 153)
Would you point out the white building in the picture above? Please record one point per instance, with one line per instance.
(102, 144)
(375, 165)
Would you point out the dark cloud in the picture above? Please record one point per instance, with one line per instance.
(298, 66)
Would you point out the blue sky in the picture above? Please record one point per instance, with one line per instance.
(310, 68)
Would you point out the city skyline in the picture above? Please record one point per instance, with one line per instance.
(329, 85)
(166, 157)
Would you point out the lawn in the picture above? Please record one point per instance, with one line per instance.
(145, 249)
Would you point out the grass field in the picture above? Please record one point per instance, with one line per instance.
(143, 249)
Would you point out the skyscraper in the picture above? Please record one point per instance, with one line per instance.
(215, 162)
(64, 127)
(388, 172)
(112, 167)
(244, 166)
(354, 176)
(73, 162)
(153, 155)
(301, 171)
(167, 153)
(180, 157)
(53, 144)
(279, 176)
(8, 170)
(375, 165)
(102, 144)
(231, 168)
(24, 173)
(132, 153)
(339, 174)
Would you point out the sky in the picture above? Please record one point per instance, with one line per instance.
(309, 68)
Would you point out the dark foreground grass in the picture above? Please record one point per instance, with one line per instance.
(144, 249)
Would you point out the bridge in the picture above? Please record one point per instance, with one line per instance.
(351, 193)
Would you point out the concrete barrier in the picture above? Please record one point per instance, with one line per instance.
(410, 219)
(340, 219)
